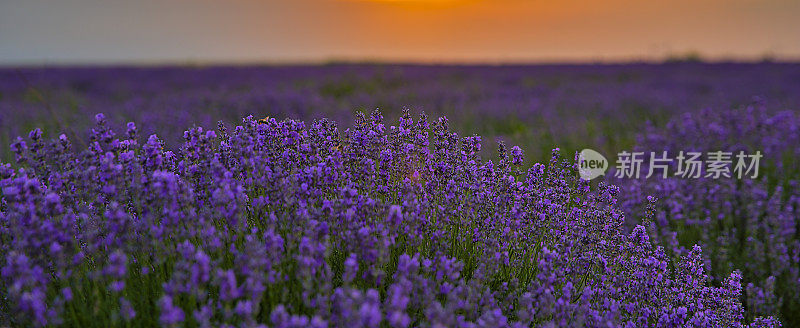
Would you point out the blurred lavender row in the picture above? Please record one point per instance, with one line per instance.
(536, 107)
(742, 224)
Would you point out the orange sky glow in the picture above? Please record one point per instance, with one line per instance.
(37, 31)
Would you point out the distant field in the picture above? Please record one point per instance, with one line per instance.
(535, 107)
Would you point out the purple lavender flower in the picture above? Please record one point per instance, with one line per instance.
(170, 314)
(294, 225)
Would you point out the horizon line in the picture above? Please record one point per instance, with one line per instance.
(685, 58)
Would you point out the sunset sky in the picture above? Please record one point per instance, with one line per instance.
(245, 31)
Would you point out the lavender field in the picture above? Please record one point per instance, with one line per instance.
(377, 195)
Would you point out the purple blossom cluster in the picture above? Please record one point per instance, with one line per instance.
(742, 224)
(289, 224)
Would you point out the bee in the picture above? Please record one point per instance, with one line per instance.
(263, 120)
